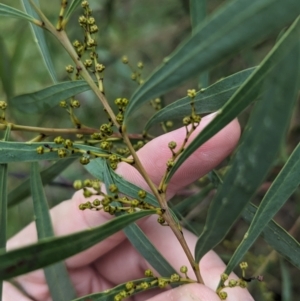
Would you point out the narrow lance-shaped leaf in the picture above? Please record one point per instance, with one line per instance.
(23, 190)
(3, 205)
(137, 237)
(8, 11)
(275, 236)
(45, 99)
(71, 8)
(57, 276)
(52, 250)
(244, 96)
(258, 148)
(39, 38)
(198, 10)
(236, 25)
(207, 100)
(279, 192)
(286, 283)
(27, 152)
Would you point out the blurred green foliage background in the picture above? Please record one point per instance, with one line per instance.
(146, 31)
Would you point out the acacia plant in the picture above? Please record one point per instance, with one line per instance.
(272, 87)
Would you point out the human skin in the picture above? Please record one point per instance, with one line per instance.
(114, 260)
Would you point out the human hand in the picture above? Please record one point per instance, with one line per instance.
(114, 260)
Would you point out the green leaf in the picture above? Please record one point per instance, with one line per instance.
(134, 234)
(51, 250)
(57, 276)
(98, 168)
(279, 239)
(8, 11)
(244, 96)
(109, 295)
(39, 38)
(3, 204)
(238, 24)
(71, 8)
(6, 71)
(258, 148)
(198, 13)
(143, 245)
(286, 286)
(23, 190)
(207, 100)
(26, 151)
(281, 189)
(45, 99)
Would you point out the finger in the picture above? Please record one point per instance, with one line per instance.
(130, 265)
(67, 218)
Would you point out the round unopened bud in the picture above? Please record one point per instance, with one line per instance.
(125, 59)
(161, 220)
(40, 150)
(77, 184)
(82, 20)
(191, 93)
(186, 120)
(183, 269)
(170, 163)
(113, 188)
(140, 65)
(144, 285)
(242, 283)
(88, 63)
(76, 44)
(59, 140)
(63, 104)
(224, 277)
(142, 194)
(69, 69)
(243, 265)
(75, 103)
(133, 76)
(172, 144)
(94, 28)
(162, 283)
(91, 43)
(84, 160)
(99, 67)
(175, 277)
(222, 295)
(87, 183)
(148, 273)
(91, 21)
(87, 193)
(169, 124)
(84, 4)
(113, 165)
(62, 152)
(232, 283)
(129, 285)
(68, 143)
(120, 117)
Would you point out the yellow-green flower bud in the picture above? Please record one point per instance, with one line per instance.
(70, 69)
(82, 20)
(91, 21)
(88, 63)
(100, 67)
(222, 295)
(243, 265)
(94, 28)
(59, 140)
(84, 4)
(140, 65)
(77, 184)
(232, 283)
(62, 152)
(96, 202)
(142, 194)
(63, 104)
(183, 269)
(175, 277)
(125, 59)
(75, 103)
(113, 188)
(191, 93)
(40, 150)
(172, 144)
(224, 277)
(84, 160)
(148, 273)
